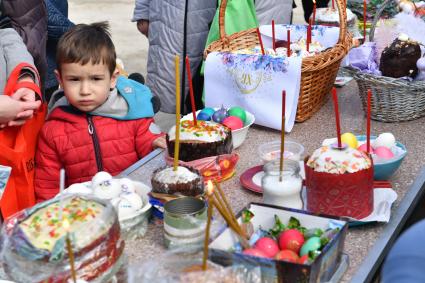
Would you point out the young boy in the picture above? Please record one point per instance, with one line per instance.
(102, 123)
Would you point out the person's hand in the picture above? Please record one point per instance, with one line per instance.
(25, 94)
(159, 142)
(14, 112)
(143, 26)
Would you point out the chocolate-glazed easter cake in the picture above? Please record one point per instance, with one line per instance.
(204, 140)
(399, 59)
(184, 181)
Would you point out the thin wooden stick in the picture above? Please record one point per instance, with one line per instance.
(226, 203)
(207, 235)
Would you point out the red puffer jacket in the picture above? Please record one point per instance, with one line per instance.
(85, 144)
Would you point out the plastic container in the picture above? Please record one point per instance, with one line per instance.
(384, 170)
(271, 150)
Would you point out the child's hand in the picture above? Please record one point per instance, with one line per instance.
(159, 142)
(143, 26)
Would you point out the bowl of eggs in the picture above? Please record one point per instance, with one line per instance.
(236, 118)
(387, 154)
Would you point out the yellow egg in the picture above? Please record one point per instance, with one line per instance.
(349, 139)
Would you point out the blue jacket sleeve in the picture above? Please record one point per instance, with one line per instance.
(57, 22)
(141, 10)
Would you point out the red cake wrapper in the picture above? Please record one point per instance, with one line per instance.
(216, 168)
(349, 194)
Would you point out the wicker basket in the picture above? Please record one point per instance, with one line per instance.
(393, 100)
(318, 72)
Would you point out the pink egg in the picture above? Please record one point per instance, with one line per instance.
(384, 152)
(268, 246)
(233, 122)
(363, 147)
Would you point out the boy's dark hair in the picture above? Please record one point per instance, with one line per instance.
(87, 43)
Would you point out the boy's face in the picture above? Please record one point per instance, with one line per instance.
(86, 86)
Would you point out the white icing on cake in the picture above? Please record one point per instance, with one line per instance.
(335, 161)
(329, 15)
(205, 131)
(181, 175)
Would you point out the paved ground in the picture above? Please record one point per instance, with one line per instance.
(131, 46)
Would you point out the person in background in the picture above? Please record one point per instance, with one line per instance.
(57, 24)
(308, 7)
(406, 260)
(180, 28)
(29, 19)
(278, 10)
(98, 121)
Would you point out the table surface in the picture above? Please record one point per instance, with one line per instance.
(360, 240)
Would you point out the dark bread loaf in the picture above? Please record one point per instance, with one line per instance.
(399, 59)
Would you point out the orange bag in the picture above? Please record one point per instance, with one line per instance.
(17, 150)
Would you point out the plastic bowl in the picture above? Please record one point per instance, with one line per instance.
(271, 150)
(239, 135)
(384, 170)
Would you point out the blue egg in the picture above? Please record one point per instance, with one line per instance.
(202, 116)
(208, 110)
(312, 244)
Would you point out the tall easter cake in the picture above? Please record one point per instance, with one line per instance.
(35, 248)
(330, 17)
(205, 139)
(339, 182)
(184, 181)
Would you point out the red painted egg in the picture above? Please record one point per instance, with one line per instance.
(363, 147)
(233, 122)
(291, 239)
(287, 255)
(254, 252)
(268, 246)
(303, 259)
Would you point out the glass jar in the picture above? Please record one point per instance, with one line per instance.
(282, 188)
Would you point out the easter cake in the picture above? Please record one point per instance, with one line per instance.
(205, 139)
(183, 181)
(35, 248)
(339, 182)
(399, 59)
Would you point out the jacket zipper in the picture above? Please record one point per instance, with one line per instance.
(92, 132)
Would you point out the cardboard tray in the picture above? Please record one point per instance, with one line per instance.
(321, 270)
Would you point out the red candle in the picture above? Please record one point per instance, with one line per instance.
(261, 41)
(364, 20)
(273, 36)
(314, 12)
(192, 97)
(308, 39)
(333, 4)
(369, 94)
(338, 127)
(282, 134)
(288, 42)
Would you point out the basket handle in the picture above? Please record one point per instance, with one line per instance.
(221, 15)
(341, 10)
(376, 19)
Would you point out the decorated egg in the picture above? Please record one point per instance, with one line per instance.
(107, 190)
(349, 139)
(239, 112)
(233, 122)
(123, 207)
(254, 252)
(203, 116)
(384, 139)
(312, 244)
(363, 147)
(127, 185)
(134, 199)
(384, 152)
(79, 188)
(291, 239)
(100, 177)
(220, 115)
(268, 246)
(208, 110)
(287, 255)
